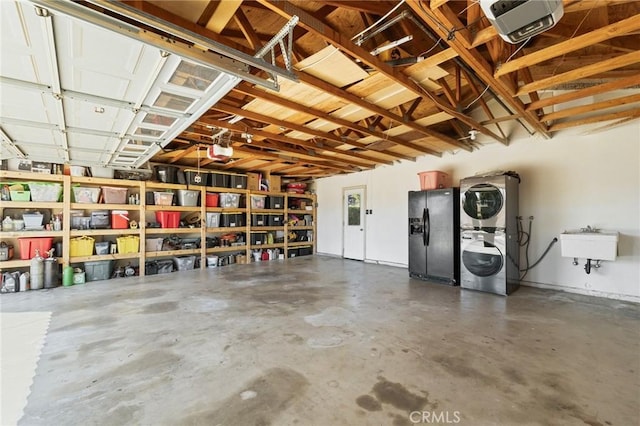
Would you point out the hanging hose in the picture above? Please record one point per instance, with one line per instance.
(521, 235)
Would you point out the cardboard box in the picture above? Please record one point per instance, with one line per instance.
(40, 167)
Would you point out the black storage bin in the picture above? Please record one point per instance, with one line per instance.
(259, 238)
(165, 266)
(305, 251)
(166, 174)
(219, 180)
(259, 220)
(276, 220)
(100, 219)
(275, 202)
(232, 220)
(292, 253)
(191, 177)
(238, 181)
(151, 267)
(149, 198)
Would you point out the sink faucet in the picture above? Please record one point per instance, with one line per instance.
(589, 229)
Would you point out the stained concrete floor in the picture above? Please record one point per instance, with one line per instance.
(325, 341)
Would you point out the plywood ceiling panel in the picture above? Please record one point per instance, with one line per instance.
(332, 66)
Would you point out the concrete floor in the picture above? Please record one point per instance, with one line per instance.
(325, 341)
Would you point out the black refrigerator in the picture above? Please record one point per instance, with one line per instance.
(434, 236)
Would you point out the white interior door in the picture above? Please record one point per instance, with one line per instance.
(353, 222)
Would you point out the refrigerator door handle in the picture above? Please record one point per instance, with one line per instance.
(424, 231)
(427, 228)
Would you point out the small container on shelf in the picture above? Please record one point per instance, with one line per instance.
(32, 220)
(81, 246)
(212, 199)
(275, 202)
(238, 181)
(292, 252)
(86, 195)
(184, 263)
(163, 198)
(197, 177)
(98, 270)
(45, 192)
(20, 195)
(188, 198)
(168, 219)
(258, 201)
(232, 220)
(102, 248)
(258, 219)
(28, 247)
(434, 179)
(119, 219)
(153, 244)
(100, 219)
(128, 244)
(229, 200)
(276, 220)
(164, 266)
(213, 220)
(114, 195)
(220, 180)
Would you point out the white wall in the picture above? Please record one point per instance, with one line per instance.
(573, 180)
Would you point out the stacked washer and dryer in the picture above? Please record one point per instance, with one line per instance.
(489, 243)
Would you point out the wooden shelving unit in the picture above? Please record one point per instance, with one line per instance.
(139, 212)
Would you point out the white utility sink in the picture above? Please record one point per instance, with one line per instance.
(589, 244)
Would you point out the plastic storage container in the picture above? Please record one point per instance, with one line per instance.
(434, 180)
(213, 220)
(195, 177)
(114, 195)
(229, 200)
(128, 244)
(98, 270)
(168, 219)
(119, 219)
(292, 253)
(28, 247)
(184, 263)
(305, 251)
(188, 198)
(232, 220)
(32, 220)
(86, 195)
(153, 244)
(100, 219)
(81, 246)
(103, 247)
(220, 180)
(258, 201)
(275, 202)
(163, 198)
(212, 199)
(166, 174)
(258, 219)
(258, 238)
(276, 220)
(238, 181)
(20, 195)
(165, 266)
(47, 192)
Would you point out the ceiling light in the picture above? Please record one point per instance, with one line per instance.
(393, 44)
(98, 110)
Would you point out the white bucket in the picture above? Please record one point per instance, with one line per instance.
(76, 170)
(212, 261)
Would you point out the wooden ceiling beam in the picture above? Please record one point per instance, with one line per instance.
(247, 29)
(313, 25)
(476, 91)
(295, 142)
(245, 88)
(634, 112)
(182, 154)
(207, 13)
(481, 67)
(591, 107)
(291, 126)
(589, 91)
(571, 45)
(586, 71)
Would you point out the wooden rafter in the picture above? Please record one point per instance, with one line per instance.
(585, 109)
(634, 112)
(247, 29)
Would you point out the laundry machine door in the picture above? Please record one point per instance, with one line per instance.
(482, 259)
(483, 207)
(483, 262)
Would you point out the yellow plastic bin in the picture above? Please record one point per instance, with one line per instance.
(81, 246)
(128, 244)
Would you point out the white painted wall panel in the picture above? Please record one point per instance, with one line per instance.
(573, 180)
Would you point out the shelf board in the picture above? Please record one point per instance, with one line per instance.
(105, 181)
(89, 206)
(227, 229)
(118, 256)
(300, 244)
(266, 246)
(294, 195)
(155, 208)
(172, 231)
(272, 193)
(225, 249)
(161, 185)
(172, 253)
(274, 211)
(222, 190)
(292, 211)
(4, 174)
(32, 205)
(81, 232)
(227, 209)
(266, 228)
(300, 228)
(18, 263)
(30, 234)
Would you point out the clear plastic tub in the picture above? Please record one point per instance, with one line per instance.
(47, 192)
(163, 198)
(213, 220)
(114, 195)
(258, 201)
(86, 195)
(184, 263)
(153, 244)
(229, 200)
(187, 197)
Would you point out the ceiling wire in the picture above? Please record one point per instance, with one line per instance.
(378, 21)
(573, 35)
